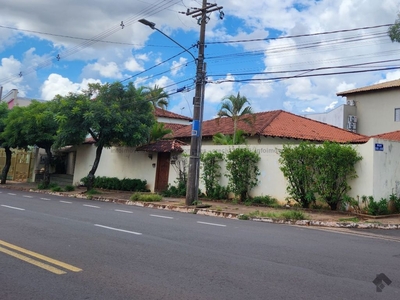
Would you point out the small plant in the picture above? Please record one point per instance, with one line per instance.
(69, 188)
(42, 186)
(377, 208)
(92, 192)
(243, 217)
(146, 197)
(264, 200)
(396, 202)
(285, 215)
(57, 189)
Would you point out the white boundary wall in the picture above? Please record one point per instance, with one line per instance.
(378, 172)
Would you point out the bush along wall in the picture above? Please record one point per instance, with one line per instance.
(114, 183)
(319, 172)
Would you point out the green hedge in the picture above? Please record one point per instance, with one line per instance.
(113, 183)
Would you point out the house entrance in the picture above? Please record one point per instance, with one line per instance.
(162, 171)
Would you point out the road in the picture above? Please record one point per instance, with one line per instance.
(65, 248)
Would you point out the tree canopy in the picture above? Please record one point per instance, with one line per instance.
(111, 114)
(394, 30)
(237, 108)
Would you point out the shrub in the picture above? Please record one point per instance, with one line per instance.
(377, 208)
(113, 183)
(396, 202)
(69, 188)
(243, 172)
(57, 189)
(264, 200)
(212, 173)
(146, 197)
(219, 192)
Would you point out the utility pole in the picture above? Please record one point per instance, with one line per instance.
(198, 102)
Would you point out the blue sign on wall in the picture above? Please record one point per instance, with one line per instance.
(378, 147)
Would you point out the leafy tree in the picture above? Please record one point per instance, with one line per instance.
(394, 30)
(297, 165)
(118, 116)
(243, 171)
(158, 131)
(3, 116)
(234, 107)
(333, 168)
(226, 139)
(33, 125)
(157, 96)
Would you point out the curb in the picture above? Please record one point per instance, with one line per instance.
(214, 213)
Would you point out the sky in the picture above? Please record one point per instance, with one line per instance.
(293, 55)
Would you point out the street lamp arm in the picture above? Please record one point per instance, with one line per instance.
(153, 26)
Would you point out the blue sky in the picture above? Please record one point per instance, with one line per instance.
(269, 50)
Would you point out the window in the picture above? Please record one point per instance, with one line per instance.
(397, 114)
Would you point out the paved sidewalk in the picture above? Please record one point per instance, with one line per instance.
(227, 209)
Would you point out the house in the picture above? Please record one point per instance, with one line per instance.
(369, 110)
(151, 162)
(12, 99)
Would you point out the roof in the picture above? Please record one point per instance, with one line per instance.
(391, 136)
(159, 112)
(375, 87)
(280, 124)
(163, 146)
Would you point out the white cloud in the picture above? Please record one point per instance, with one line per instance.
(308, 110)
(103, 69)
(133, 65)
(215, 92)
(331, 106)
(178, 66)
(58, 85)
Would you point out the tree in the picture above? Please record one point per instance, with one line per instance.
(158, 131)
(234, 107)
(226, 139)
(157, 96)
(394, 30)
(118, 116)
(3, 116)
(33, 125)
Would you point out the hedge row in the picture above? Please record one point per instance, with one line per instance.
(113, 183)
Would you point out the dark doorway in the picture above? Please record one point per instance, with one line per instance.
(162, 172)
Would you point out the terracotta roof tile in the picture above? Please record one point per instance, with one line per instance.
(279, 124)
(391, 136)
(374, 87)
(168, 114)
(163, 146)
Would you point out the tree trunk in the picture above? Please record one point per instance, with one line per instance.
(90, 176)
(7, 165)
(46, 175)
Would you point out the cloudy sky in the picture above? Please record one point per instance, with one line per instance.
(281, 54)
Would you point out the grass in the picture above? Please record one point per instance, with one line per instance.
(354, 220)
(146, 197)
(285, 215)
(93, 192)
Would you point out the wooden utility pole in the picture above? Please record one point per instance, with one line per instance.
(198, 102)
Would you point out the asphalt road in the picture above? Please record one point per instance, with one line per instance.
(64, 248)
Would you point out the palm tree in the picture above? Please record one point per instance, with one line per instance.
(222, 139)
(234, 107)
(157, 96)
(158, 131)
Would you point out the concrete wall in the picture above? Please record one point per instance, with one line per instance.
(375, 111)
(337, 117)
(378, 172)
(121, 162)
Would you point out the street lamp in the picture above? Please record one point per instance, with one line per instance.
(198, 104)
(153, 26)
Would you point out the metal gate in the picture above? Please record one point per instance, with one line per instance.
(22, 163)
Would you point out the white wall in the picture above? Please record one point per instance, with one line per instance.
(121, 162)
(337, 117)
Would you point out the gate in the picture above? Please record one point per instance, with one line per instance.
(22, 163)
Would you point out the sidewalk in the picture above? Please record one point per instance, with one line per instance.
(227, 209)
